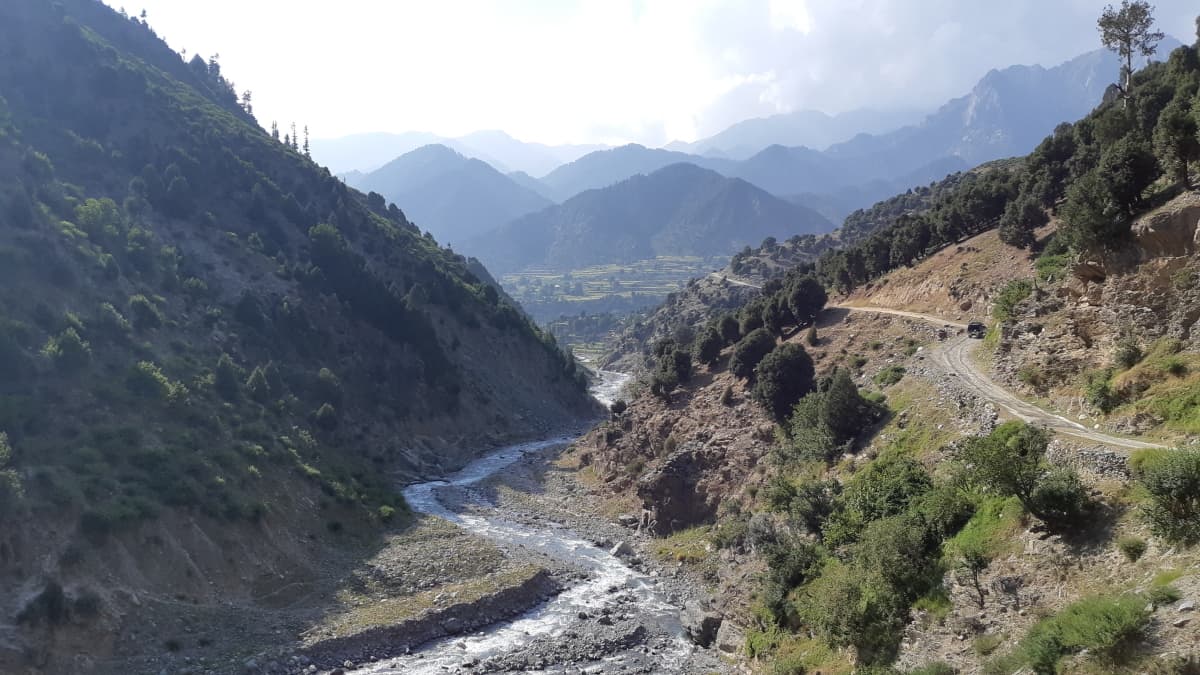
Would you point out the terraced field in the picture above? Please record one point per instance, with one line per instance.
(550, 293)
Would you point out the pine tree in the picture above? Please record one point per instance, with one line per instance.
(246, 104)
(306, 152)
(295, 138)
(275, 130)
(1127, 31)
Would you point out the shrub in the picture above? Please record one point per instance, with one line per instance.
(1102, 625)
(386, 513)
(749, 351)
(889, 376)
(782, 378)
(1172, 480)
(329, 386)
(810, 336)
(1098, 391)
(227, 378)
(727, 396)
(68, 351)
(257, 385)
(1127, 353)
(1060, 498)
(1009, 297)
(326, 417)
(729, 328)
(707, 347)
(112, 323)
(618, 406)
(1131, 547)
(1163, 595)
(1009, 462)
(145, 314)
(147, 380)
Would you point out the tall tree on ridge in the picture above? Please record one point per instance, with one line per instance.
(1128, 31)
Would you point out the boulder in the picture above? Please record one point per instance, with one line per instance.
(700, 624)
(730, 639)
(621, 549)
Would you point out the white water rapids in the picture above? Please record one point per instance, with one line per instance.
(551, 619)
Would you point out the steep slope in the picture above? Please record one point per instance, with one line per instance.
(450, 195)
(679, 210)
(210, 349)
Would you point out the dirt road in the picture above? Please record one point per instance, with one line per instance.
(955, 358)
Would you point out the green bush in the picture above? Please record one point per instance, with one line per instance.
(1172, 480)
(889, 376)
(326, 417)
(145, 314)
(147, 380)
(707, 347)
(258, 386)
(112, 323)
(782, 378)
(68, 352)
(749, 351)
(1060, 498)
(1131, 547)
(1009, 297)
(1127, 353)
(10, 480)
(1163, 595)
(1105, 626)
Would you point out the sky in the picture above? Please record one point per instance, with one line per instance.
(614, 71)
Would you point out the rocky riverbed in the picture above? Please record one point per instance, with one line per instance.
(619, 611)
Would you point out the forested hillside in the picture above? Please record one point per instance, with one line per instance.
(678, 210)
(901, 525)
(198, 322)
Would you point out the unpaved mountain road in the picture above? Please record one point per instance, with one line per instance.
(955, 358)
(733, 280)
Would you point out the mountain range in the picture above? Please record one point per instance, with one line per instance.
(452, 196)
(810, 128)
(679, 210)
(366, 152)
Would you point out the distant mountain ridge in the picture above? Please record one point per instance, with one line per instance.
(809, 128)
(452, 196)
(367, 152)
(681, 209)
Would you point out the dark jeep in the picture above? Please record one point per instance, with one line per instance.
(976, 329)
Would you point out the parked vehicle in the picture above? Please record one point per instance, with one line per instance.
(976, 329)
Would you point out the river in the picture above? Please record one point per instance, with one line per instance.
(611, 587)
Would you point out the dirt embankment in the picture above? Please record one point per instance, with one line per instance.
(957, 283)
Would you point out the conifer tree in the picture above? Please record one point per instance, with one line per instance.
(306, 152)
(1127, 31)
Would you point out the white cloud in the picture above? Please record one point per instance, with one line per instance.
(583, 70)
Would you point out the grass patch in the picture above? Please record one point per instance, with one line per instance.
(1009, 297)
(990, 529)
(1106, 626)
(1131, 547)
(889, 376)
(936, 602)
(688, 546)
(1166, 577)
(798, 655)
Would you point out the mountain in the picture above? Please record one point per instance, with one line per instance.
(452, 196)
(216, 359)
(607, 167)
(1006, 114)
(810, 128)
(369, 151)
(536, 159)
(679, 210)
